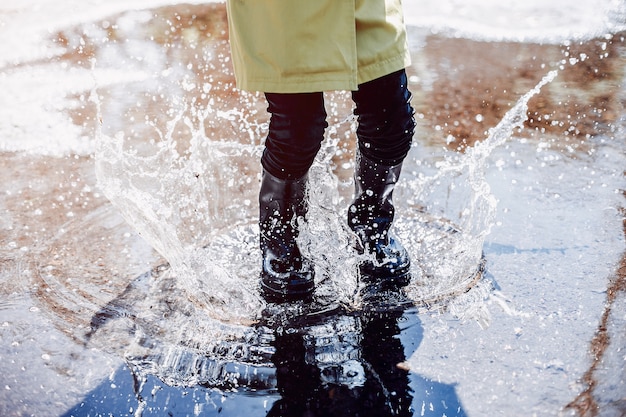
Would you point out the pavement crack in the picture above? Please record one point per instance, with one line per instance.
(586, 404)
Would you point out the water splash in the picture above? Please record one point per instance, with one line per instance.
(445, 217)
(196, 205)
(197, 209)
(189, 207)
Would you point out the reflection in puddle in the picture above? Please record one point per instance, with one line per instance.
(338, 363)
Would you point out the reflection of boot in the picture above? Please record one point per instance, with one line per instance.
(296, 381)
(370, 217)
(341, 365)
(394, 396)
(285, 274)
(318, 369)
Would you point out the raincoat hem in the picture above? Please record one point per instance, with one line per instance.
(311, 84)
(297, 85)
(381, 68)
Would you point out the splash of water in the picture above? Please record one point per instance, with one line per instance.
(193, 208)
(446, 216)
(197, 209)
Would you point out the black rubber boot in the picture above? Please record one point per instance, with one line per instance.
(286, 275)
(370, 217)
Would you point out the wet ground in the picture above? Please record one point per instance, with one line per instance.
(95, 323)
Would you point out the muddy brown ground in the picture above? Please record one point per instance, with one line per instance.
(461, 87)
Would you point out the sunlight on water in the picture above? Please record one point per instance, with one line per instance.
(530, 21)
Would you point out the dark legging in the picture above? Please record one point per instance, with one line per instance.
(297, 124)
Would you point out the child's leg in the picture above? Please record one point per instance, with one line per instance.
(296, 131)
(385, 132)
(385, 116)
(295, 134)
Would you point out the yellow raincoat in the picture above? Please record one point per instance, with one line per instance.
(297, 46)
